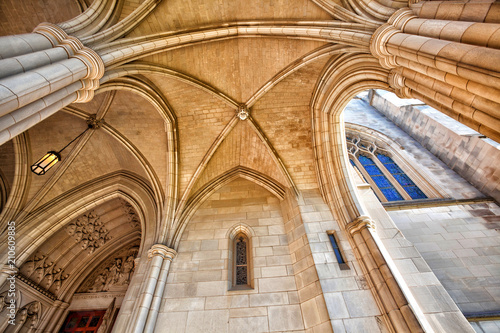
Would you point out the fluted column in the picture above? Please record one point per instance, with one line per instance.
(56, 315)
(392, 299)
(150, 299)
(454, 66)
(46, 71)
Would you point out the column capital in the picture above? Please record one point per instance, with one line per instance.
(162, 250)
(8, 269)
(397, 81)
(360, 223)
(381, 36)
(401, 17)
(76, 49)
(55, 34)
(378, 45)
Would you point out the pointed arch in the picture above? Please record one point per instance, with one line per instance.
(381, 143)
(22, 179)
(343, 78)
(62, 209)
(197, 199)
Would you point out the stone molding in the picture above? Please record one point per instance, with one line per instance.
(75, 49)
(162, 250)
(397, 81)
(360, 223)
(381, 36)
(401, 17)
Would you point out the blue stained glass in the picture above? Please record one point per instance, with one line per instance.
(393, 168)
(352, 163)
(373, 170)
(415, 192)
(381, 181)
(365, 160)
(384, 159)
(391, 194)
(336, 249)
(403, 179)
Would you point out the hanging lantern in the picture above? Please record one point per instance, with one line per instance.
(45, 163)
(52, 157)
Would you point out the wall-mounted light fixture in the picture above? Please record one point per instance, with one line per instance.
(50, 159)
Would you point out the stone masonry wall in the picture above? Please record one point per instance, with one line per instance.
(461, 244)
(197, 298)
(462, 149)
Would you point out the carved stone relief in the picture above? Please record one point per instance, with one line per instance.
(114, 274)
(89, 231)
(28, 316)
(43, 273)
(131, 215)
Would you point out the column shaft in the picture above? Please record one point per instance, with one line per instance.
(455, 65)
(155, 305)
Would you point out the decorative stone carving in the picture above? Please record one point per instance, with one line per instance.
(75, 49)
(89, 231)
(27, 317)
(43, 273)
(114, 275)
(132, 217)
(355, 144)
(242, 112)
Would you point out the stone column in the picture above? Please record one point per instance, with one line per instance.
(42, 72)
(454, 66)
(393, 301)
(56, 316)
(145, 318)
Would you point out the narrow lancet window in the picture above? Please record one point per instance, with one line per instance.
(336, 249)
(241, 261)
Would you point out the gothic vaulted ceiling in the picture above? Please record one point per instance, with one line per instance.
(202, 85)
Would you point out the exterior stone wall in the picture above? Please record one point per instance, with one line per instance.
(461, 244)
(429, 166)
(462, 149)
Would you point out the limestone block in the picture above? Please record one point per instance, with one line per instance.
(285, 318)
(277, 284)
(366, 324)
(174, 322)
(268, 299)
(217, 302)
(352, 302)
(249, 324)
(208, 321)
(336, 305)
(211, 288)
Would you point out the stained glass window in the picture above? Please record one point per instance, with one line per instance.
(383, 184)
(336, 249)
(409, 186)
(390, 182)
(241, 260)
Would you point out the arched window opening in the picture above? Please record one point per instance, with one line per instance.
(241, 261)
(240, 266)
(413, 191)
(374, 161)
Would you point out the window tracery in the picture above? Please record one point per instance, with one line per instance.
(240, 275)
(376, 165)
(241, 261)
